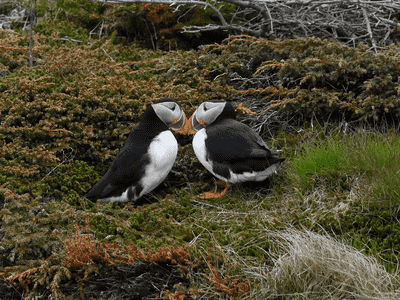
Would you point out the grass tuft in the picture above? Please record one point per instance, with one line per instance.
(308, 265)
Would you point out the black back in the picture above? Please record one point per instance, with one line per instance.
(129, 165)
(231, 144)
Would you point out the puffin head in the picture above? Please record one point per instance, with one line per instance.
(209, 112)
(170, 112)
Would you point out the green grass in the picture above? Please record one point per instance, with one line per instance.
(379, 156)
(325, 159)
(362, 153)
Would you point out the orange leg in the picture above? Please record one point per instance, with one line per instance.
(212, 194)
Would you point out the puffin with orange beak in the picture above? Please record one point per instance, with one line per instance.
(147, 156)
(230, 150)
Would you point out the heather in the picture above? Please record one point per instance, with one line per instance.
(325, 225)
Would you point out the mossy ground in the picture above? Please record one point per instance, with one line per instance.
(63, 121)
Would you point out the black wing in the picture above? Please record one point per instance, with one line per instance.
(237, 145)
(126, 169)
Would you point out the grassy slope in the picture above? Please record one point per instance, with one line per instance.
(61, 124)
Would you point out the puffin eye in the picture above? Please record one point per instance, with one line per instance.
(170, 105)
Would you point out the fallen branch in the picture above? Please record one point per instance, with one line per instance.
(369, 28)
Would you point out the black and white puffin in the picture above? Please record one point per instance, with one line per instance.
(230, 150)
(147, 156)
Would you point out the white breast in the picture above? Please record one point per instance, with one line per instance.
(162, 152)
(199, 147)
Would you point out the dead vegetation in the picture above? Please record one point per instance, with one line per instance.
(350, 22)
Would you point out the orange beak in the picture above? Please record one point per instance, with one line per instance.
(185, 128)
(191, 130)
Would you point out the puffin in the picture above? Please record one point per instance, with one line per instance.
(230, 150)
(147, 156)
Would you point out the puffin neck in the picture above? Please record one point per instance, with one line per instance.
(227, 113)
(150, 124)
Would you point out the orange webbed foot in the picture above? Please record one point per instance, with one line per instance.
(214, 194)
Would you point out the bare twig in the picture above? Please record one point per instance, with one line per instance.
(108, 55)
(369, 28)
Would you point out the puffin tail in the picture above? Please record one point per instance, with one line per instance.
(274, 159)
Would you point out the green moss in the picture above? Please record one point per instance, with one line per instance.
(69, 180)
(63, 28)
(103, 226)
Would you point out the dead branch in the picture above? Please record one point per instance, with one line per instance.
(369, 28)
(348, 21)
(32, 17)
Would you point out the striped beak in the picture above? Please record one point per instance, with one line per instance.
(191, 129)
(183, 125)
(195, 124)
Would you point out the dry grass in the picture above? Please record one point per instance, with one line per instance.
(308, 265)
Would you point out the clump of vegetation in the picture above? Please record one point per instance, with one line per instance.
(315, 266)
(316, 78)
